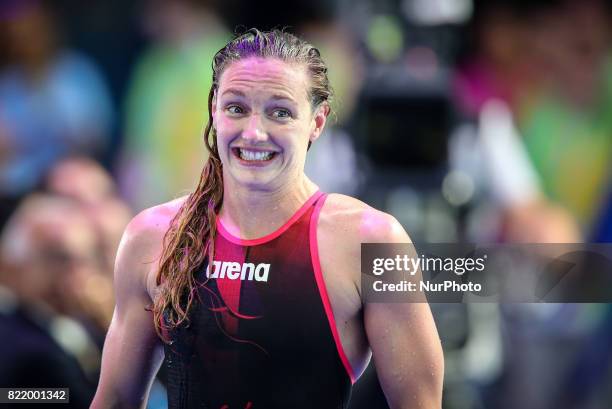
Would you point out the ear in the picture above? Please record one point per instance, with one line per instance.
(319, 120)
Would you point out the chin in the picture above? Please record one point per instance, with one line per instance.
(254, 182)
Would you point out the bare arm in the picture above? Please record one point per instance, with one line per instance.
(132, 350)
(405, 345)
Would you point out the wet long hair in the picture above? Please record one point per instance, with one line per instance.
(190, 240)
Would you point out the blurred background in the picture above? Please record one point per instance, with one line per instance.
(468, 120)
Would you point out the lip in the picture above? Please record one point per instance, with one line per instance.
(253, 163)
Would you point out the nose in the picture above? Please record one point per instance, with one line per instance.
(254, 129)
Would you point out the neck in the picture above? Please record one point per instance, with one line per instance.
(248, 213)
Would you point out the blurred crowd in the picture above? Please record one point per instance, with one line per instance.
(468, 120)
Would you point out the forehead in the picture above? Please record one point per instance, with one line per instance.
(266, 75)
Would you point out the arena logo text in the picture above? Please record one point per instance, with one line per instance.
(239, 271)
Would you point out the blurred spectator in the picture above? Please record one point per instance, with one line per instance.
(167, 102)
(53, 295)
(89, 185)
(81, 178)
(54, 244)
(538, 89)
(496, 80)
(86, 181)
(567, 127)
(53, 101)
(495, 63)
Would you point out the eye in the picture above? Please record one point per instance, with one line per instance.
(281, 113)
(234, 109)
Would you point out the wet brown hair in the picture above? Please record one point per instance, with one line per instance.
(189, 242)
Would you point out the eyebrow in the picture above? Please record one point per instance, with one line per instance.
(283, 97)
(233, 91)
(241, 94)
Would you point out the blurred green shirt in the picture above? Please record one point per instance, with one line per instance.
(167, 109)
(572, 149)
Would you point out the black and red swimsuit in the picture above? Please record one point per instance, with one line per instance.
(262, 334)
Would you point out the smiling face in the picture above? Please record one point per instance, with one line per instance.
(264, 121)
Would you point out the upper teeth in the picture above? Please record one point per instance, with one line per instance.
(254, 155)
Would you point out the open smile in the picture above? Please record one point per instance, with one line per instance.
(253, 157)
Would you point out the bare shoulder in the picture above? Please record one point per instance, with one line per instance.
(344, 224)
(141, 245)
(150, 225)
(353, 221)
